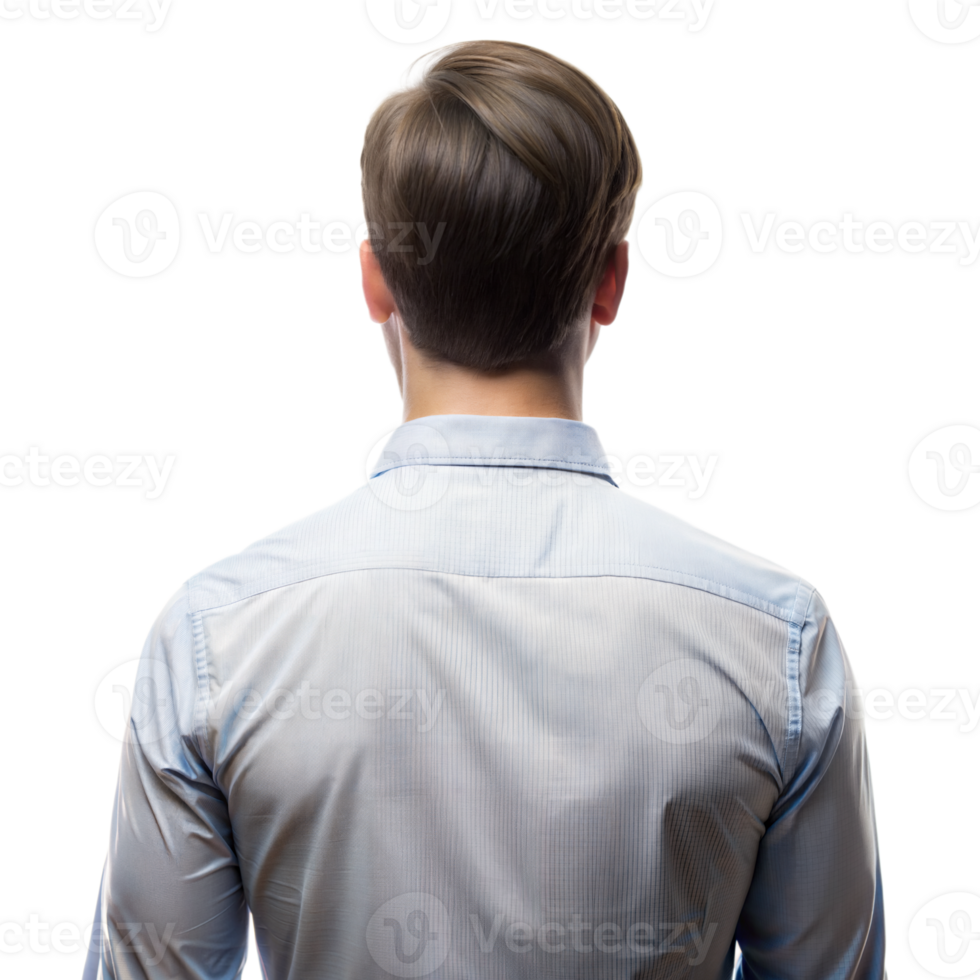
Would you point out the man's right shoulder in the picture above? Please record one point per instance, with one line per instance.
(308, 548)
(670, 549)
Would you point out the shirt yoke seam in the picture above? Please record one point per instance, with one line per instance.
(693, 581)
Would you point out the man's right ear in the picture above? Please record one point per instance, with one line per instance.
(380, 302)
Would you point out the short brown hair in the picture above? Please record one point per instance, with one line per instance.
(528, 172)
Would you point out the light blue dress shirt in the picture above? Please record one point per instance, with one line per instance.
(490, 716)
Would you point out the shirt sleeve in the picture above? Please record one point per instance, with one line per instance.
(172, 897)
(814, 909)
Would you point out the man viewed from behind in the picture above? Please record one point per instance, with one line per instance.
(489, 716)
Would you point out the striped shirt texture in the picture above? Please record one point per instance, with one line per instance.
(492, 717)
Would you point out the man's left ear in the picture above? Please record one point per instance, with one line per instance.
(380, 302)
(605, 306)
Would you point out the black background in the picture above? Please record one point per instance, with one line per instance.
(811, 376)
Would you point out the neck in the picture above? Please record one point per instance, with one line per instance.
(453, 390)
(545, 387)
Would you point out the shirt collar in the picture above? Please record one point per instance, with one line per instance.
(495, 440)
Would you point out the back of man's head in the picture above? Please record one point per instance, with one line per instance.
(532, 170)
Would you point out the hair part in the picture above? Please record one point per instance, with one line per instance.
(495, 191)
